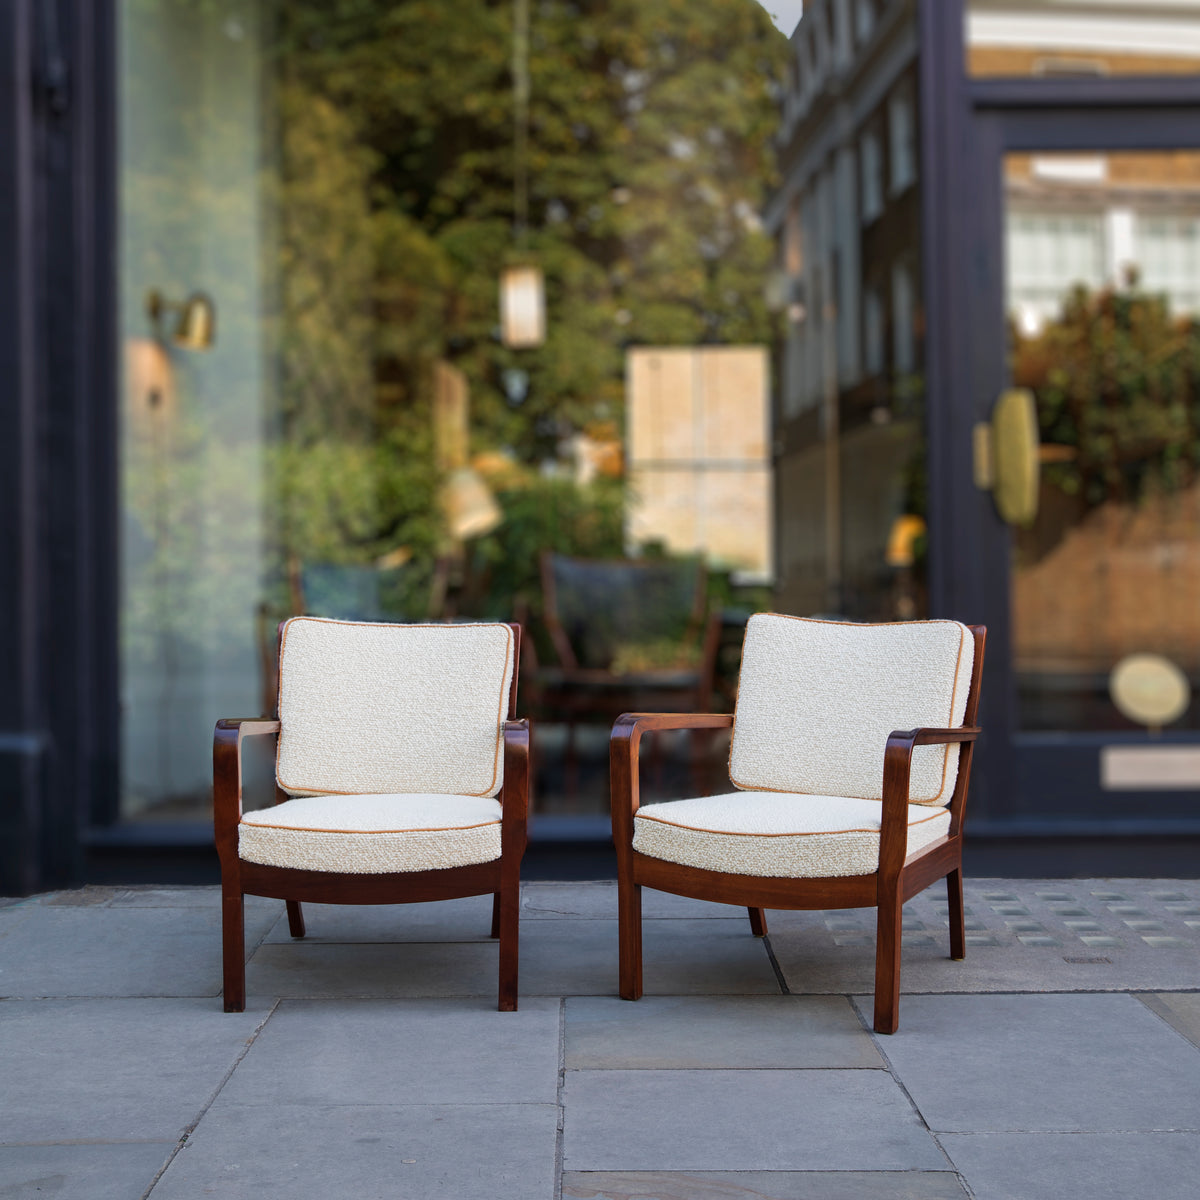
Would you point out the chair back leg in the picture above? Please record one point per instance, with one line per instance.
(233, 947)
(758, 921)
(495, 914)
(295, 918)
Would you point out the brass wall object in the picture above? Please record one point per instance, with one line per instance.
(1006, 454)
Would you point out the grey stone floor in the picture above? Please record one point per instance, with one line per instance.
(1060, 1060)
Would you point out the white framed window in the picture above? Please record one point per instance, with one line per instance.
(870, 154)
(902, 139)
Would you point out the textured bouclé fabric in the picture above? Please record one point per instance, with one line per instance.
(775, 834)
(369, 835)
(371, 708)
(817, 700)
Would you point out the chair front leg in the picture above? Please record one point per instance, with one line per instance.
(233, 945)
(887, 963)
(629, 933)
(758, 921)
(509, 932)
(295, 915)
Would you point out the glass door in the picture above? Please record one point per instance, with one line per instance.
(1097, 253)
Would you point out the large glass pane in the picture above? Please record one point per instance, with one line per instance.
(1082, 39)
(347, 187)
(1104, 328)
(851, 494)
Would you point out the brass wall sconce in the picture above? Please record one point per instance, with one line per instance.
(196, 327)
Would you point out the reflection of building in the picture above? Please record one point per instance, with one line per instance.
(1097, 219)
(847, 221)
(952, 171)
(700, 478)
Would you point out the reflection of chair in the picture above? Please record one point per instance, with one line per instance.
(398, 779)
(626, 630)
(836, 810)
(628, 634)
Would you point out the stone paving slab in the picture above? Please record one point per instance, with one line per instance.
(376, 1152)
(742, 1121)
(92, 1171)
(1180, 1010)
(439, 1051)
(114, 1070)
(468, 919)
(315, 970)
(689, 956)
(598, 902)
(83, 951)
(1078, 1166)
(1043, 1063)
(762, 1185)
(1035, 935)
(667, 1032)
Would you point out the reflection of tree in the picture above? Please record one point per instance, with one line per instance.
(1117, 381)
(649, 154)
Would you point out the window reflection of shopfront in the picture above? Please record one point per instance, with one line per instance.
(1037, 228)
(369, 434)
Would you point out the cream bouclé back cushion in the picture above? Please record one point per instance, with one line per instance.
(817, 700)
(367, 708)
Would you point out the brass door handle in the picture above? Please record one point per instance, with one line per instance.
(1006, 456)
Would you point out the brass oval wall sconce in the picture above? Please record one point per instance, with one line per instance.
(1007, 456)
(196, 327)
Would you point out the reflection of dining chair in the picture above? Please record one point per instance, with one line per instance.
(400, 777)
(838, 806)
(628, 634)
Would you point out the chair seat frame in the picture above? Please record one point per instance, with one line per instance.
(900, 875)
(239, 878)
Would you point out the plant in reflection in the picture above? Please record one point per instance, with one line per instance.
(649, 155)
(1117, 381)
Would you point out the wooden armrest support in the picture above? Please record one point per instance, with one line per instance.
(623, 759)
(227, 775)
(514, 795)
(897, 762)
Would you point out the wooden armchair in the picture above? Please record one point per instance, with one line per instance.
(400, 777)
(836, 807)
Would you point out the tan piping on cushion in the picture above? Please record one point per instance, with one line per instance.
(357, 832)
(643, 816)
(388, 625)
(865, 625)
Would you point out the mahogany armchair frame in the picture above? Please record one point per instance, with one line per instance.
(900, 875)
(501, 877)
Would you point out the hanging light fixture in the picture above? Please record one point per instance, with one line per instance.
(522, 285)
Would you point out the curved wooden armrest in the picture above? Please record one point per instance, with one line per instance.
(897, 763)
(514, 795)
(623, 746)
(227, 774)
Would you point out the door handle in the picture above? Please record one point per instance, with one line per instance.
(1006, 452)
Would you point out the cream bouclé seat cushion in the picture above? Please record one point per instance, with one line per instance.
(391, 744)
(816, 702)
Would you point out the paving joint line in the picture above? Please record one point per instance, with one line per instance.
(190, 1128)
(779, 976)
(558, 1098)
(889, 1066)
